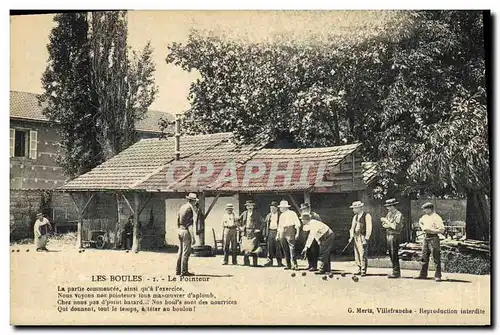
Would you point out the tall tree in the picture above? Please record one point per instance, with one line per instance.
(403, 93)
(68, 93)
(124, 88)
(94, 88)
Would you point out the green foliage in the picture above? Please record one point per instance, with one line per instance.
(93, 89)
(412, 94)
(67, 93)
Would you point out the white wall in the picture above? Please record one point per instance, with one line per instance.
(212, 221)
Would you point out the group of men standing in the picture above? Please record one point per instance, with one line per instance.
(281, 230)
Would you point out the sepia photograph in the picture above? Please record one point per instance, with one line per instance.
(250, 168)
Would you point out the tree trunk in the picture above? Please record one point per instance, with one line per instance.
(478, 216)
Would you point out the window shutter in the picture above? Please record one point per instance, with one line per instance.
(33, 144)
(12, 141)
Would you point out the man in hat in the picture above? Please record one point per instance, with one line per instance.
(432, 225)
(271, 232)
(393, 224)
(186, 218)
(41, 231)
(313, 250)
(361, 229)
(127, 233)
(230, 234)
(288, 233)
(250, 222)
(324, 236)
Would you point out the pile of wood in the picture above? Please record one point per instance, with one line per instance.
(466, 246)
(413, 251)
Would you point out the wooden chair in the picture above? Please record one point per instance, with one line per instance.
(218, 243)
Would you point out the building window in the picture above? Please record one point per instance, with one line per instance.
(23, 143)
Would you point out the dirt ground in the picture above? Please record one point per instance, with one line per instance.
(242, 295)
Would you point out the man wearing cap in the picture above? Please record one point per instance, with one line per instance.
(230, 234)
(393, 224)
(41, 231)
(250, 224)
(186, 219)
(288, 233)
(271, 232)
(324, 236)
(361, 229)
(313, 250)
(432, 225)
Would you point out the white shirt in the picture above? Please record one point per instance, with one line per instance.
(273, 223)
(39, 223)
(432, 222)
(195, 214)
(229, 220)
(316, 230)
(356, 226)
(288, 219)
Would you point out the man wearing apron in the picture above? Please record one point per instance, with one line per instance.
(251, 223)
(41, 232)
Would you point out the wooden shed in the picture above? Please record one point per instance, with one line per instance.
(149, 181)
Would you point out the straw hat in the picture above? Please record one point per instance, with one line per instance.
(357, 204)
(283, 204)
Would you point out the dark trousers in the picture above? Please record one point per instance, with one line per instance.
(325, 250)
(273, 247)
(230, 239)
(288, 244)
(126, 241)
(393, 248)
(313, 254)
(431, 245)
(184, 251)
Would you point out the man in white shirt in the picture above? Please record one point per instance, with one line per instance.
(41, 231)
(361, 229)
(313, 250)
(321, 233)
(288, 233)
(230, 234)
(271, 231)
(432, 225)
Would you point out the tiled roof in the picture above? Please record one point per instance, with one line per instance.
(24, 105)
(369, 172)
(147, 164)
(145, 158)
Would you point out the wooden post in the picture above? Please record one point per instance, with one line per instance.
(307, 198)
(212, 205)
(135, 238)
(294, 203)
(81, 210)
(201, 216)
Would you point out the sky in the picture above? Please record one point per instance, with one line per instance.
(29, 37)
